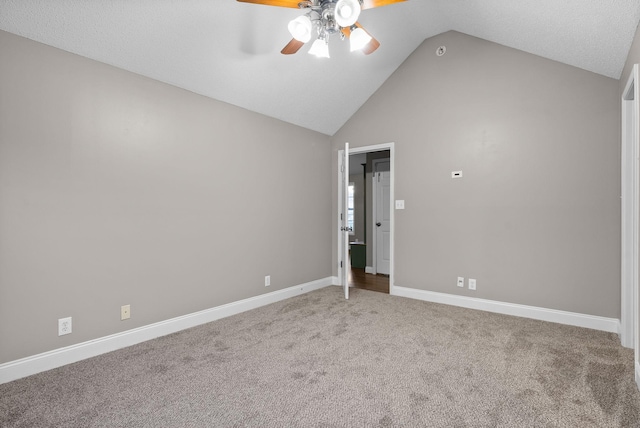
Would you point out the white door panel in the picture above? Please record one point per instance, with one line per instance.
(382, 181)
(344, 224)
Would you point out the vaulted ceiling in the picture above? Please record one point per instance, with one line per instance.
(230, 51)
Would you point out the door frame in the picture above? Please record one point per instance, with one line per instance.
(368, 149)
(630, 212)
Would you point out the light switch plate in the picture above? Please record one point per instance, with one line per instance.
(400, 204)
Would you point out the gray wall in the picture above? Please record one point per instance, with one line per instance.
(356, 176)
(116, 189)
(358, 206)
(536, 218)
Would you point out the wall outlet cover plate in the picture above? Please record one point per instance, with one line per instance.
(64, 326)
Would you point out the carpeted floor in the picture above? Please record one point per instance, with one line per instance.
(319, 361)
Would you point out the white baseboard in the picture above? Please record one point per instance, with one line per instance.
(368, 269)
(59, 357)
(611, 325)
(335, 280)
(638, 374)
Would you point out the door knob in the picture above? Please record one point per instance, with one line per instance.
(378, 224)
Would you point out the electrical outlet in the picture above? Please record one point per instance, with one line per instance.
(460, 281)
(267, 280)
(472, 284)
(125, 312)
(64, 326)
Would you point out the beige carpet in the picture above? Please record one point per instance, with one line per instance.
(319, 361)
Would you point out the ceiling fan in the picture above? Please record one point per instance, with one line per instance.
(328, 17)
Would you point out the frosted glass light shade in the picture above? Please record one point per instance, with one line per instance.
(359, 39)
(347, 12)
(300, 28)
(320, 48)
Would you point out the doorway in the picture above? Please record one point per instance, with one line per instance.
(371, 204)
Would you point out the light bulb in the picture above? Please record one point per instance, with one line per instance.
(347, 12)
(359, 39)
(300, 28)
(320, 48)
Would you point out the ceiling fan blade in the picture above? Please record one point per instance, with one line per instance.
(369, 4)
(292, 47)
(280, 3)
(370, 47)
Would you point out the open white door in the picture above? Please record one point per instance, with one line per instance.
(344, 222)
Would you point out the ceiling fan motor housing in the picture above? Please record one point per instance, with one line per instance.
(329, 18)
(328, 9)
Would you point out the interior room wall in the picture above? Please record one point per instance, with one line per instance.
(358, 206)
(356, 176)
(116, 189)
(536, 217)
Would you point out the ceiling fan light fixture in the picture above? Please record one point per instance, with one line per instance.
(300, 28)
(359, 39)
(320, 48)
(347, 12)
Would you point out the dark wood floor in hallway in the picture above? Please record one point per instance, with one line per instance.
(359, 279)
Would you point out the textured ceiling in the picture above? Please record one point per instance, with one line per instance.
(230, 51)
